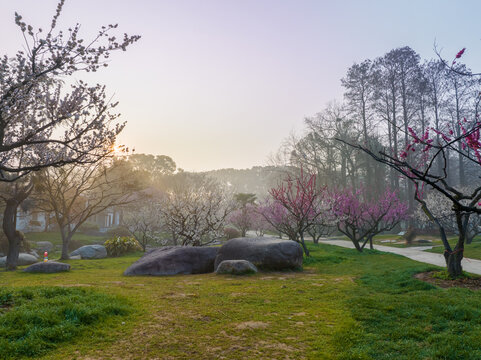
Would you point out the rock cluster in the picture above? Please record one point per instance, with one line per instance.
(237, 256)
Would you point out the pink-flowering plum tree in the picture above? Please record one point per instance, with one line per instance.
(46, 117)
(295, 205)
(244, 218)
(361, 219)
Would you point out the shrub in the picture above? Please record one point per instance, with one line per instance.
(118, 231)
(122, 245)
(231, 233)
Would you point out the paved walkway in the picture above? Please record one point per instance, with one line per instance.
(416, 253)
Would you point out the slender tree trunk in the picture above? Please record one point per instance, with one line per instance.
(66, 237)
(10, 223)
(9, 228)
(306, 251)
(454, 258)
(355, 241)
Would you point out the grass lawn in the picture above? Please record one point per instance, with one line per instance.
(472, 250)
(55, 238)
(344, 305)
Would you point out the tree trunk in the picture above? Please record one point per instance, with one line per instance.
(9, 228)
(306, 251)
(356, 244)
(66, 237)
(453, 262)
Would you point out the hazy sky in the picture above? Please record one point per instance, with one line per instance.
(217, 84)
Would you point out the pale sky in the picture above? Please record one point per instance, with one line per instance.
(220, 83)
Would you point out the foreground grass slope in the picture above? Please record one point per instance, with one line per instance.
(34, 320)
(345, 305)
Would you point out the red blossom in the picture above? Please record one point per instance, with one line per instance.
(460, 53)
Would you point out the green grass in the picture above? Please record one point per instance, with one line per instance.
(56, 239)
(344, 305)
(472, 250)
(34, 320)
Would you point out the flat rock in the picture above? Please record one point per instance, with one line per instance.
(264, 253)
(43, 246)
(236, 267)
(174, 260)
(48, 267)
(23, 259)
(90, 252)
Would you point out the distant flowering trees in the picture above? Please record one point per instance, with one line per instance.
(295, 205)
(244, 216)
(361, 219)
(298, 206)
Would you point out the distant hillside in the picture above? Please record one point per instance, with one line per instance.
(257, 180)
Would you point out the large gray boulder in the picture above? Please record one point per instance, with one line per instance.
(43, 246)
(236, 267)
(264, 253)
(23, 259)
(48, 267)
(174, 260)
(90, 252)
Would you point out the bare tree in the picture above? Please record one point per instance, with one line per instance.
(195, 210)
(76, 193)
(142, 218)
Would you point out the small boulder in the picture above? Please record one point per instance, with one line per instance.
(23, 259)
(34, 253)
(43, 246)
(48, 267)
(236, 267)
(264, 253)
(174, 260)
(90, 252)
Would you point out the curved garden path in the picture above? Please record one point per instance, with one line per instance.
(415, 253)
